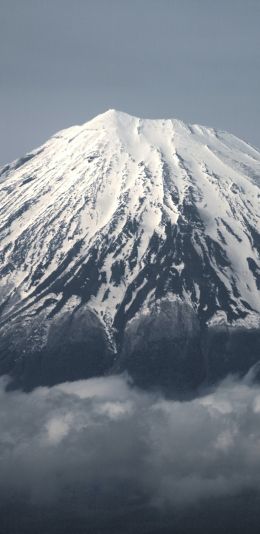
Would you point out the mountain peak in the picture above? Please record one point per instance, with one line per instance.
(122, 117)
(113, 118)
(121, 213)
(128, 127)
(118, 171)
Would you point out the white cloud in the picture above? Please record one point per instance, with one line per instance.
(102, 433)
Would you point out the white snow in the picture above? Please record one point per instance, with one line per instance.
(116, 168)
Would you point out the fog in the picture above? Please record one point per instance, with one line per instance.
(103, 430)
(103, 444)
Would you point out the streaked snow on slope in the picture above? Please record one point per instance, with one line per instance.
(121, 211)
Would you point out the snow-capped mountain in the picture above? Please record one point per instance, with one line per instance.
(112, 218)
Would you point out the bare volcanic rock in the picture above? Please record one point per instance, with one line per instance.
(162, 347)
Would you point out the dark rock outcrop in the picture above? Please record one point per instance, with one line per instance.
(73, 346)
(162, 349)
(230, 350)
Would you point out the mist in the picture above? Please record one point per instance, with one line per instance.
(101, 445)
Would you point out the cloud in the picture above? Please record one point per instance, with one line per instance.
(104, 443)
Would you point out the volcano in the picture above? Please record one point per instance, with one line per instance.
(132, 245)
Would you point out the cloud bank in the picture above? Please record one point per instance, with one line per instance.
(102, 443)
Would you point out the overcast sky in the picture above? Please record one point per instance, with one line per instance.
(64, 61)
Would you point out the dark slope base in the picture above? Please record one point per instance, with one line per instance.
(230, 350)
(75, 347)
(169, 350)
(163, 349)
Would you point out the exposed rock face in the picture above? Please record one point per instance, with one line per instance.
(162, 348)
(73, 346)
(122, 215)
(230, 350)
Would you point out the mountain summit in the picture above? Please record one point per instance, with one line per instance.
(119, 238)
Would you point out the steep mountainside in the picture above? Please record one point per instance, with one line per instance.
(119, 222)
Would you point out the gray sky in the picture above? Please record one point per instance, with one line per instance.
(64, 61)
